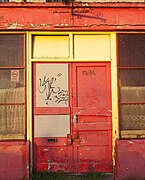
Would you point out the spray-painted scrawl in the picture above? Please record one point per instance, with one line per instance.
(54, 94)
(52, 85)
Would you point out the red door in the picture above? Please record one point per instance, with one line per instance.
(92, 117)
(52, 146)
(72, 117)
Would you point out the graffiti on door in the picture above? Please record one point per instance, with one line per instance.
(53, 92)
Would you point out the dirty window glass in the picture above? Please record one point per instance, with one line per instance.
(11, 50)
(132, 116)
(131, 70)
(12, 87)
(132, 77)
(12, 121)
(131, 50)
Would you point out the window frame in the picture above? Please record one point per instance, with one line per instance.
(127, 134)
(17, 136)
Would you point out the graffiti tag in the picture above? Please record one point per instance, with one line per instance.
(53, 93)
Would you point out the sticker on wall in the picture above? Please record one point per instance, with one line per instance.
(15, 75)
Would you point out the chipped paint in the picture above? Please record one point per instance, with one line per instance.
(14, 160)
(86, 137)
(48, 165)
(130, 159)
(78, 16)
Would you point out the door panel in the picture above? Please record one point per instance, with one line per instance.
(52, 125)
(92, 87)
(72, 117)
(52, 150)
(92, 117)
(52, 85)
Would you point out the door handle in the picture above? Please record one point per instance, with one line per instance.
(75, 119)
(76, 136)
(69, 139)
(77, 139)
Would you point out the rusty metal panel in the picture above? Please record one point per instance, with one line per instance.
(14, 160)
(79, 16)
(130, 159)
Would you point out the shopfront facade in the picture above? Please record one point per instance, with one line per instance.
(72, 88)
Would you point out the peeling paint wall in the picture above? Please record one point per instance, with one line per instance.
(79, 1)
(14, 160)
(79, 16)
(109, 1)
(130, 159)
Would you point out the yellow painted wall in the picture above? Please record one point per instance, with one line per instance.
(74, 47)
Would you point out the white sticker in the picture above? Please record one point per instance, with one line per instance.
(14, 75)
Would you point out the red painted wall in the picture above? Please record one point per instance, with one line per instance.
(76, 16)
(130, 159)
(14, 160)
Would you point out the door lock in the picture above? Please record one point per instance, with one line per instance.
(75, 119)
(69, 139)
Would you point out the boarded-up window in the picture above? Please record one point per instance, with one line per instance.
(131, 68)
(12, 87)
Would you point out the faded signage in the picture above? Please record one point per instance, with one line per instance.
(15, 75)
